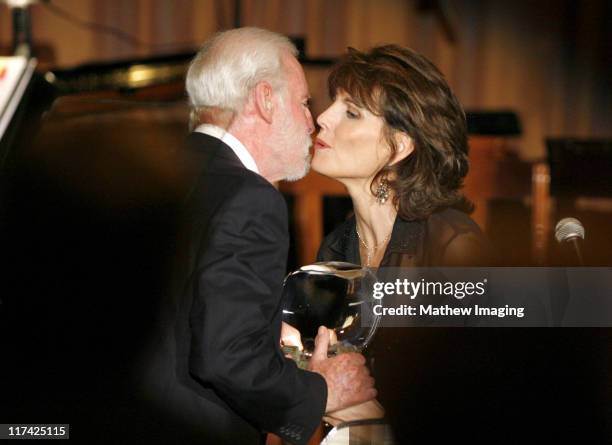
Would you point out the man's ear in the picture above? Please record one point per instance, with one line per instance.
(264, 105)
(404, 146)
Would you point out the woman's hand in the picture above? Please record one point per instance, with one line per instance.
(290, 336)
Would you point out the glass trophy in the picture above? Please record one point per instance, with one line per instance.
(333, 294)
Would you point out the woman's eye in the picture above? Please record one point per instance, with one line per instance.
(352, 114)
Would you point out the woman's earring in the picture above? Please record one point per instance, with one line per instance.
(382, 191)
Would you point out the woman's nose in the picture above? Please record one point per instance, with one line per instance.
(322, 120)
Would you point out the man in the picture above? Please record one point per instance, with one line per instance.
(222, 373)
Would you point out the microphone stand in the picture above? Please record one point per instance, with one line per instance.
(576, 245)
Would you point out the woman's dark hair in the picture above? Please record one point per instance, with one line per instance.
(410, 94)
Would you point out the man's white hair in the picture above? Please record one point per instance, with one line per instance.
(231, 63)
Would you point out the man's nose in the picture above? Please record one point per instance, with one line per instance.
(311, 125)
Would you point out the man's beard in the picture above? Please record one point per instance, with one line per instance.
(292, 147)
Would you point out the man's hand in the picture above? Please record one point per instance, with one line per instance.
(348, 380)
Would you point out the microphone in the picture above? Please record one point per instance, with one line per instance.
(570, 231)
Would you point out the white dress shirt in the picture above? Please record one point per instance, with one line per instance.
(229, 139)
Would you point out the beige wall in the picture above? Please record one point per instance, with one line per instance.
(548, 60)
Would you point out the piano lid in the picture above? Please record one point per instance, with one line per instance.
(15, 74)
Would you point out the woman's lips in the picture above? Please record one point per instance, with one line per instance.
(319, 144)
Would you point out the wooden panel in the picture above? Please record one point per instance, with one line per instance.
(540, 212)
(308, 211)
(495, 170)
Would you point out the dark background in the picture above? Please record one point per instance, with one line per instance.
(89, 198)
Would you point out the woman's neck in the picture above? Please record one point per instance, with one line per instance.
(374, 220)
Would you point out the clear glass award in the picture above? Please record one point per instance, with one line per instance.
(333, 294)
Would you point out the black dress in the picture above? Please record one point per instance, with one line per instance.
(455, 384)
(447, 238)
(415, 368)
(442, 384)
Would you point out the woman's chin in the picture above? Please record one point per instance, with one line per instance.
(319, 164)
(319, 167)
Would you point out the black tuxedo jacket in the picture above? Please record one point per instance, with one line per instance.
(216, 371)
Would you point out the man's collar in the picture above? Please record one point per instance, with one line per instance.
(230, 140)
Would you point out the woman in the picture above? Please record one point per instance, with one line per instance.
(396, 137)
